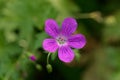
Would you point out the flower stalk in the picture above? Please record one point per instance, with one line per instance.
(48, 58)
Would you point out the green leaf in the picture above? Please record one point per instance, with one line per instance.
(39, 39)
(53, 56)
(77, 55)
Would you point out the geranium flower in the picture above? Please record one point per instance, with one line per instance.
(62, 39)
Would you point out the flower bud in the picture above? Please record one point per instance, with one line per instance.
(32, 57)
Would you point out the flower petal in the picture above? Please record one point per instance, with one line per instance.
(65, 54)
(51, 27)
(77, 41)
(69, 26)
(50, 45)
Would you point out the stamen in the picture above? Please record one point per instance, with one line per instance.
(61, 40)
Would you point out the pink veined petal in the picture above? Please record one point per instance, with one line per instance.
(51, 27)
(50, 45)
(77, 41)
(65, 54)
(69, 26)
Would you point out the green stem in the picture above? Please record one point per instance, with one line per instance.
(48, 57)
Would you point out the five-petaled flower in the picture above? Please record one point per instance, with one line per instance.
(63, 39)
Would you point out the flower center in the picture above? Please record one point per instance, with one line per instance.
(61, 40)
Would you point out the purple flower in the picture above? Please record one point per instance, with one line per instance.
(32, 57)
(62, 38)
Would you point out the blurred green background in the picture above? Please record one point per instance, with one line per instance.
(22, 33)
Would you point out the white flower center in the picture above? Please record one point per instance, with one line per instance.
(61, 40)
